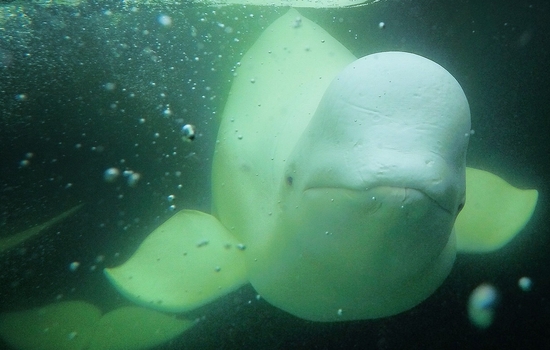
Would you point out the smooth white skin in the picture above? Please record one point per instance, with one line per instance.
(370, 194)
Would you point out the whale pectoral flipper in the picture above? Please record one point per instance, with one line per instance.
(495, 212)
(71, 325)
(188, 261)
(134, 327)
(63, 325)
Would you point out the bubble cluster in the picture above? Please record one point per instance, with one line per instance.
(26, 162)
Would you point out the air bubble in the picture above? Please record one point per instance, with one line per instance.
(481, 305)
(165, 20)
(111, 174)
(188, 132)
(525, 283)
(74, 266)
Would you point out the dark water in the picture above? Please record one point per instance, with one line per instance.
(76, 82)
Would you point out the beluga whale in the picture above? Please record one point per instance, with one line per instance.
(340, 192)
(336, 186)
(362, 221)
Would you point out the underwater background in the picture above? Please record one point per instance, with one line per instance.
(94, 85)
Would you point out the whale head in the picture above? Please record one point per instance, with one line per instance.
(370, 193)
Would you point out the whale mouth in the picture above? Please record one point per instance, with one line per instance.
(380, 194)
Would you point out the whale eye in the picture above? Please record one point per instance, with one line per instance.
(460, 206)
(289, 180)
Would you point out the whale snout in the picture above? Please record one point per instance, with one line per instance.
(397, 171)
